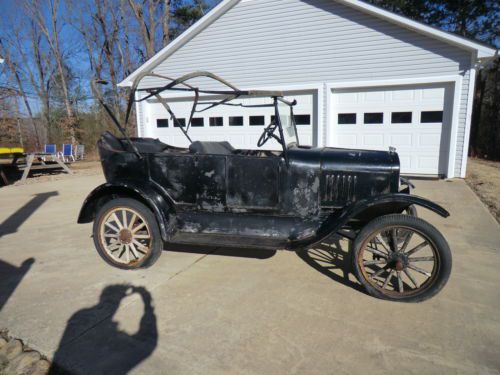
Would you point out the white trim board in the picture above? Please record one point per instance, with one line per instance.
(468, 116)
(456, 80)
(470, 45)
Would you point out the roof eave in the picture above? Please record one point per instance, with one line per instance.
(482, 50)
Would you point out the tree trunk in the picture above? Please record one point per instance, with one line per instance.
(165, 22)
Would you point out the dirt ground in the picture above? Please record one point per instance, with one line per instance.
(483, 177)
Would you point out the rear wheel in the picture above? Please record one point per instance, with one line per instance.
(126, 234)
(401, 258)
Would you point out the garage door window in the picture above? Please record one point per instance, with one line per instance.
(236, 121)
(302, 119)
(197, 122)
(431, 117)
(162, 123)
(180, 122)
(346, 118)
(257, 120)
(401, 117)
(216, 121)
(374, 118)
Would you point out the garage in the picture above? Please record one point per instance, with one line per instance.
(240, 126)
(363, 78)
(415, 119)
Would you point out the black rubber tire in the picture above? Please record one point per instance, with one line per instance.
(147, 214)
(426, 229)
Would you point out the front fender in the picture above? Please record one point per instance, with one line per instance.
(142, 192)
(366, 210)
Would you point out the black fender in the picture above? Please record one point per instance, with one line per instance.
(161, 206)
(364, 211)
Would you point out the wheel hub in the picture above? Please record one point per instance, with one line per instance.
(398, 261)
(125, 236)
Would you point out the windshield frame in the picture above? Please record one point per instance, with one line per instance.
(293, 124)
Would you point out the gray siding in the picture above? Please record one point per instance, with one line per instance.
(284, 42)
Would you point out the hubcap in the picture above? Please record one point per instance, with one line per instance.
(399, 261)
(125, 236)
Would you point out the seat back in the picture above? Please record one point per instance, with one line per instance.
(50, 149)
(216, 148)
(67, 149)
(111, 141)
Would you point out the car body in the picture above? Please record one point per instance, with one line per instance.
(213, 194)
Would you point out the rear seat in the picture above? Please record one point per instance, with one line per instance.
(216, 148)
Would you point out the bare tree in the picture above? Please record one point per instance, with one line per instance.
(147, 22)
(51, 30)
(12, 66)
(166, 22)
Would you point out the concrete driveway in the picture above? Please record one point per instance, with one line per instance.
(209, 311)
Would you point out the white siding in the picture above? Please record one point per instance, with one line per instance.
(284, 42)
(141, 117)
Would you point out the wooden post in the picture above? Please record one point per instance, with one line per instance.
(63, 166)
(3, 176)
(29, 162)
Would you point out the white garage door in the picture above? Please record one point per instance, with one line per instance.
(413, 119)
(240, 126)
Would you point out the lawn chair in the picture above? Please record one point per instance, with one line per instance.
(50, 149)
(67, 153)
(79, 152)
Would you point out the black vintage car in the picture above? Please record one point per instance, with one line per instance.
(294, 199)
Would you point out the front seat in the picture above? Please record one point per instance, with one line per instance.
(215, 148)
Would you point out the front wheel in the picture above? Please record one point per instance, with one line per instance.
(401, 258)
(126, 234)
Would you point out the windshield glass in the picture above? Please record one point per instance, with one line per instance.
(287, 123)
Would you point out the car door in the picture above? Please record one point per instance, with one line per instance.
(210, 186)
(252, 183)
(194, 182)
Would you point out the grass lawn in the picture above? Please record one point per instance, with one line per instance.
(483, 176)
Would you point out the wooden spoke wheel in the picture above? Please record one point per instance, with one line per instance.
(403, 258)
(126, 234)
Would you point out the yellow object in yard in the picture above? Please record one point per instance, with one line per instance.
(11, 150)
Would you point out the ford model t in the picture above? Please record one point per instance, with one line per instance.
(213, 194)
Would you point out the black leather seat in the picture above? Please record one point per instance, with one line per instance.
(216, 148)
(111, 141)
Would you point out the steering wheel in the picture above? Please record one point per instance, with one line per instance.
(267, 134)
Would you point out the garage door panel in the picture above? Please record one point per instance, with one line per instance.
(402, 96)
(429, 140)
(347, 140)
(375, 97)
(402, 140)
(373, 140)
(418, 143)
(405, 161)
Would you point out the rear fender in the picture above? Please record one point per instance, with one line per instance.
(366, 210)
(160, 206)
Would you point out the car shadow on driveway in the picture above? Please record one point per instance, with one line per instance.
(224, 251)
(332, 258)
(15, 220)
(94, 342)
(10, 277)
